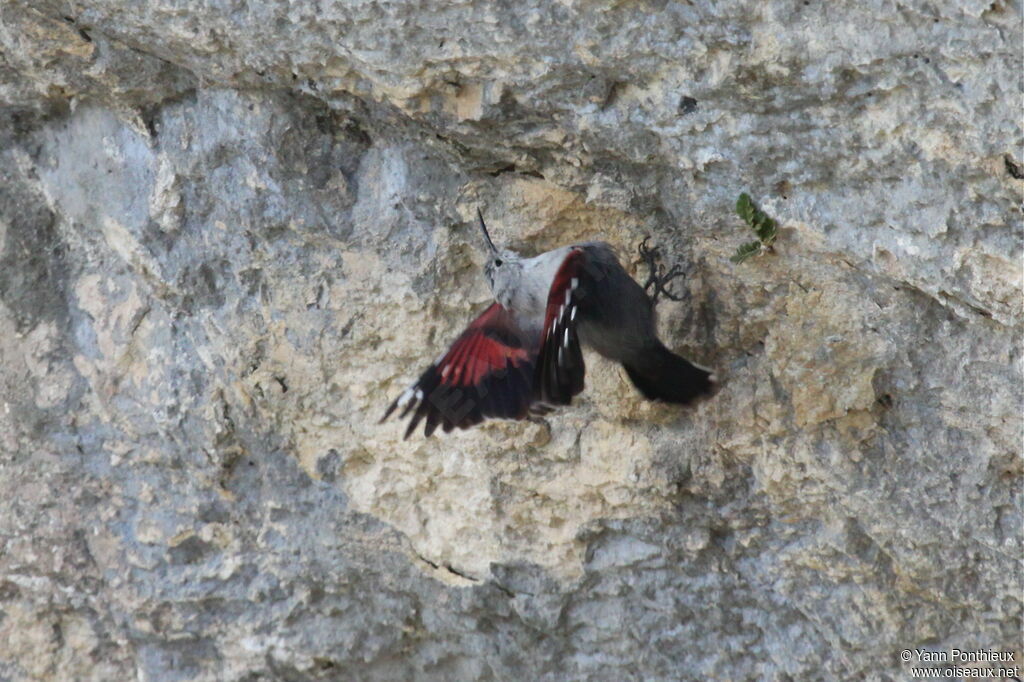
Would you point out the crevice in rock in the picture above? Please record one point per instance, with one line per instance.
(454, 571)
(447, 567)
(504, 590)
(1013, 168)
(511, 168)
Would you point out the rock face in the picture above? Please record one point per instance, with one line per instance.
(231, 232)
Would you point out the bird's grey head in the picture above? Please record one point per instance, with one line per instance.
(502, 265)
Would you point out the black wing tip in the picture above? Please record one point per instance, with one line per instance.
(433, 416)
(561, 369)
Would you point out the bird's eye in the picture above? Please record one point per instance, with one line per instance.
(497, 262)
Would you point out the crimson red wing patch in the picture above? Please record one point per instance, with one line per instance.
(487, 372)
(559, 370)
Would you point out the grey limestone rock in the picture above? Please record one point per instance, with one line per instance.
(232, 231)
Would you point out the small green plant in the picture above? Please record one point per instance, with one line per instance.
(764, 227)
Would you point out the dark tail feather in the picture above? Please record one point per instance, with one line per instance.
(662, 375)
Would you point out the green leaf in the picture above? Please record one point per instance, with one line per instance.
(760, 223)
(746, 251)
(765, 229)
(745, 208)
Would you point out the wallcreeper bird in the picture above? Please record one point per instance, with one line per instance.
(522, 355)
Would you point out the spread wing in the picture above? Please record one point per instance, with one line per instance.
(559, 368)
(487, 372)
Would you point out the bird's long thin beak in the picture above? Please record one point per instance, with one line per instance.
(480, 215)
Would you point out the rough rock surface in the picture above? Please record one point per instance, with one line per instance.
(232, 231)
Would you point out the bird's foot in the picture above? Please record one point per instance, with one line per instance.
(658, 278)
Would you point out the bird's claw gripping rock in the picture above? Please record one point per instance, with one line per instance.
(658, 278)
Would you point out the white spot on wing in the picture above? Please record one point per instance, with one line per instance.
(575, 282)
(572, 313)
(445, 370)
(406, 396)
(565, 342)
